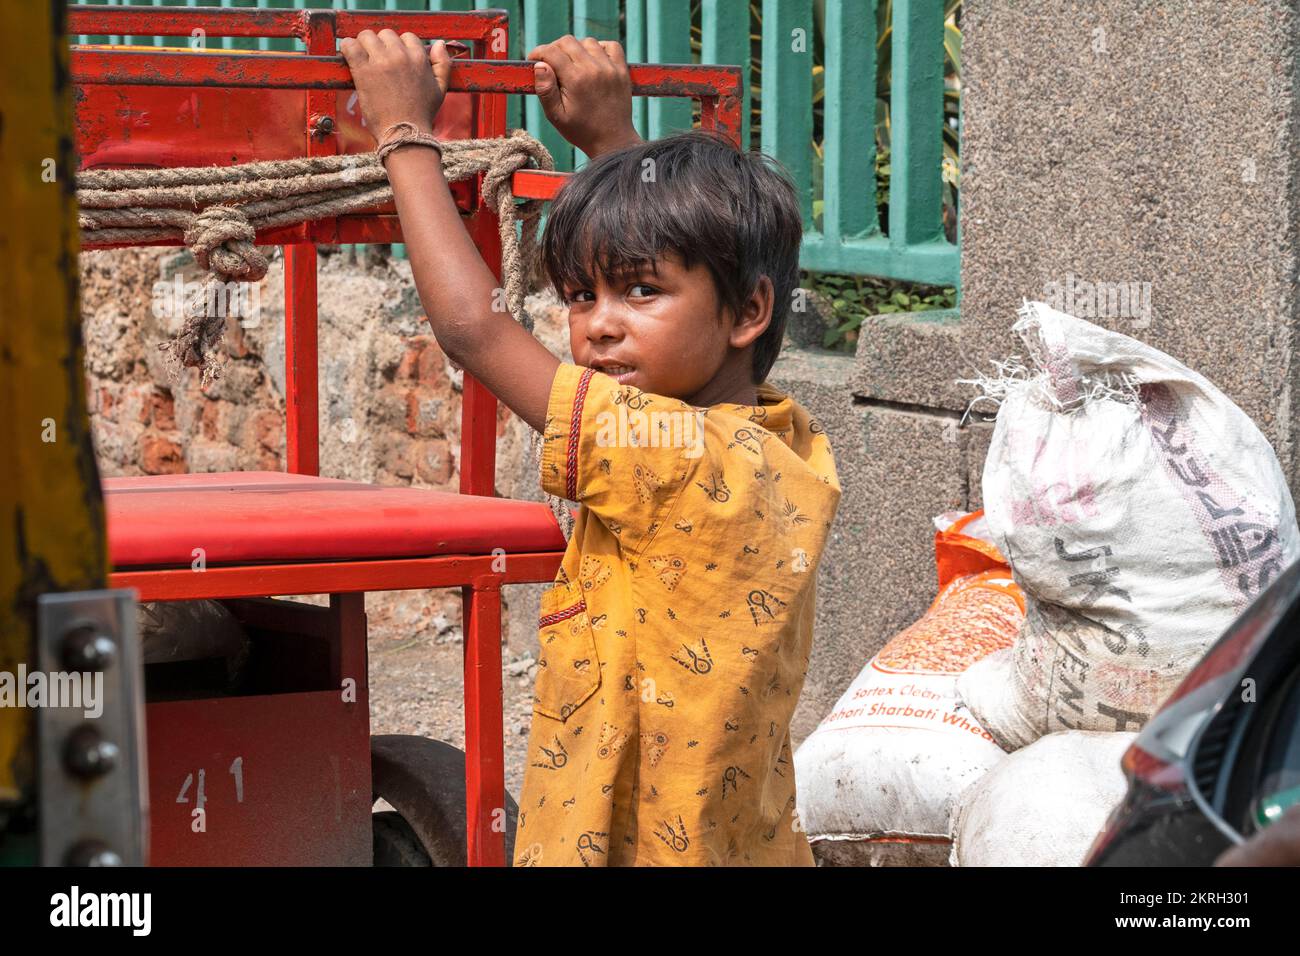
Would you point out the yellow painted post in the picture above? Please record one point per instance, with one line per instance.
(51, 508)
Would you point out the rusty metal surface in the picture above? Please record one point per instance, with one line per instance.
(53, 537)
(92, 761)
(299, 71)
(298, 796)
(179, 21)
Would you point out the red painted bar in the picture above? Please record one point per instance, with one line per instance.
(485, 789)
(225, 22)
(301, 386)
(300, 71)
(184, 584)
(481, 603)
(537, 183)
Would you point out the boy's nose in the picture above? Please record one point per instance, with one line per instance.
(604, 321)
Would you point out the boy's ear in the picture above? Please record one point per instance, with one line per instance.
(755, 315)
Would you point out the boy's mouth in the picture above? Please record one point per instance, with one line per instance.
(622, 373)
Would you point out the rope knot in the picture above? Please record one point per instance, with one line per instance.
(221, 239)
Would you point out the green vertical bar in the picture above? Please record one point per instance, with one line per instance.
(115, 38)
(450, 6)
(595, 18)
(516, 51)
(544, 21)
(239, 43)
(98, 38)
(599, 19)
(916, 132)
(787, 91)
(635, 48)
(142, 40)
(725, 26)
(849, 107)
(188, 40)
(668, 40)
(961, 126)
(350, 251)
(278, 43)
(126, 38)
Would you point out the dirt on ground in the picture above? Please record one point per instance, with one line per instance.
(416, 687)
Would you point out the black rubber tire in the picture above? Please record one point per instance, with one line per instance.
(395, 842)
(424, 781)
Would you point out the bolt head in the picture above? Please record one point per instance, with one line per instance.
(92, 853)
(86, 648)
(88, 755)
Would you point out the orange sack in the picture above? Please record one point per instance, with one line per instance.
(878, 777)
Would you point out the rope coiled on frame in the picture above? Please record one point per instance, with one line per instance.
(218, 210)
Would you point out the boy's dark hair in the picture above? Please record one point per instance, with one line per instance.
(693, 194)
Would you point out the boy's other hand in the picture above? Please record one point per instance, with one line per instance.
(397, 79)
(586, 92)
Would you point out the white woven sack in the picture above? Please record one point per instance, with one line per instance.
(1141, 512)
(1042, 806)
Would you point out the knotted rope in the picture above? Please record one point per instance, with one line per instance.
(218, 210)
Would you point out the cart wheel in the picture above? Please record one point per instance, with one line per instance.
(395, 842)
(424, 781)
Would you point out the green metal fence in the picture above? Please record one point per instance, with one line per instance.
(911, 245)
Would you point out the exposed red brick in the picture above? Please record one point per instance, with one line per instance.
(208, 419)
(160, 456)
(432, 371)
(408, 368)
(162, 409)
(268, 428)
(423, 412)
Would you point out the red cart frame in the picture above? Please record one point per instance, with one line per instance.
(321, 73)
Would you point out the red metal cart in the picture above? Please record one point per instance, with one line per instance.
(288, 774)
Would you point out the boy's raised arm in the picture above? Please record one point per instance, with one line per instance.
(586, 92)
(395, 83)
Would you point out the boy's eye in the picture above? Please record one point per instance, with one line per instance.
(640, 290)
(578, 296)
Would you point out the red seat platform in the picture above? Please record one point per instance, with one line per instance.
(261, 516)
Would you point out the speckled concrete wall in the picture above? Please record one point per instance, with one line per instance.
(1107, 141)
(1149, 143)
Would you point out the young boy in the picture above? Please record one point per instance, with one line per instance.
(675, 640)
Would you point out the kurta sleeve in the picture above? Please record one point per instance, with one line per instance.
(624, 453)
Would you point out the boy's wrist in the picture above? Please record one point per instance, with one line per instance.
(608, 144)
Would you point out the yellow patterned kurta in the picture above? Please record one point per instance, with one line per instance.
(675, 641)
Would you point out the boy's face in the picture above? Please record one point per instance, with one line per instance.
(661, 329)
